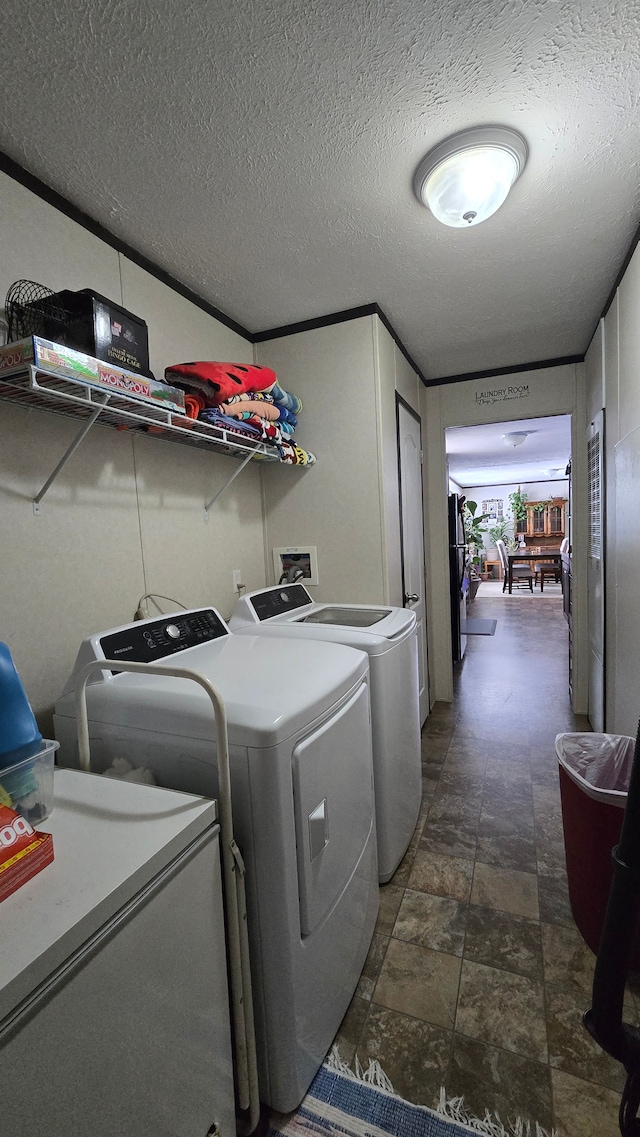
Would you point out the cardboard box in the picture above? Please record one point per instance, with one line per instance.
(23, 851)
(139, 387)
(50, 356)
(91, 323)
(57, 359)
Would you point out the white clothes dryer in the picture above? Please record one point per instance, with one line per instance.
(303, 809)
(388, 635)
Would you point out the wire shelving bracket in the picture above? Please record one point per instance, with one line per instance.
(35, 387)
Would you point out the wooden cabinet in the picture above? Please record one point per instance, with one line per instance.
(544, 519)
(555, 520)
(536, 520)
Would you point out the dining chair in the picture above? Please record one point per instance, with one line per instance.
(547, 572)
(520, 574)
(551, 570)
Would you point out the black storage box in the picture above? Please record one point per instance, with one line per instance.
(102, 329)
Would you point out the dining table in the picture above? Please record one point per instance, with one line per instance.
(548, 556)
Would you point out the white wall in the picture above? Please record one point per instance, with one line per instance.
(610, 402)
(618, 390)
(622, 430)
(531, 394)
(126, 514)
(348, 504)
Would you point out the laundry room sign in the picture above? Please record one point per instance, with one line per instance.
(487, 396)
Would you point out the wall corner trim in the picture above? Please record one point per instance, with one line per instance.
(514, 369)
(19, 174)
(372, 309)
(74, 213)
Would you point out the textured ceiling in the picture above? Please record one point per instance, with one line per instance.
(478, 455)
(264, 153)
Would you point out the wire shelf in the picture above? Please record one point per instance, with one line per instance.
(72, 398)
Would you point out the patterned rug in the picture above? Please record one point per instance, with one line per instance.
(343, 1104)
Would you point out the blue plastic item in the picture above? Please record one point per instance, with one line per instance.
(19, 734)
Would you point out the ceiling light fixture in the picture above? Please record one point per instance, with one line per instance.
(516, 437)
(466, 178)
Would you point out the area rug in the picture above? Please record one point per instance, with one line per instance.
(475, 627)
(341, 1103)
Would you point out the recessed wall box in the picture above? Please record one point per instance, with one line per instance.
(304, 556)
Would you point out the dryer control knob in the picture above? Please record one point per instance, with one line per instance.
(173, 631)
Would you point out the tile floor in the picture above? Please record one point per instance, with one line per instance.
(477, 976)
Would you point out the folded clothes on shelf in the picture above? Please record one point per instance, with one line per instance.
(244, 397)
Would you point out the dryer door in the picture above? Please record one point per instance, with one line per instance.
(334, 808)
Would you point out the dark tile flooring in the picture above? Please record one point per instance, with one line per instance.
(477, 976)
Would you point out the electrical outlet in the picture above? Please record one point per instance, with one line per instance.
(237, 579)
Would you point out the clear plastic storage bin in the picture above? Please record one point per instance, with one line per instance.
(27, 786)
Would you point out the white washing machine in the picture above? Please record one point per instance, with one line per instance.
(303, 809)
(388, 636)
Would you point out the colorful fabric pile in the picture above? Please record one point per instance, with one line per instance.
(243, 397)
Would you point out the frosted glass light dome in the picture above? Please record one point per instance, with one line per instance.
(465, 179)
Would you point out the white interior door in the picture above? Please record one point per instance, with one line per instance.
(412, 537)
(595, 572)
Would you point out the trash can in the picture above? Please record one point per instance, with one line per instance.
(594, 772)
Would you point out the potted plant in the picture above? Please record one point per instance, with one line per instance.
(477, 564)
(517, 500)
(473, 530)
(474, 584)
(503, 531)
(475, 539)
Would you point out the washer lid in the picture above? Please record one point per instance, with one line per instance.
(291, 605)
(271, 689)
(342, 615)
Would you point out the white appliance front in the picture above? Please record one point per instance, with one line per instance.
(113, 973)
(388, 636)
(303, 811)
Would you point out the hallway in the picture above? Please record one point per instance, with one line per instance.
(477, 976)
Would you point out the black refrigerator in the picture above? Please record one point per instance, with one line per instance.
(458, 576)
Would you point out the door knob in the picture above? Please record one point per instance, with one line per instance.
(411, 597)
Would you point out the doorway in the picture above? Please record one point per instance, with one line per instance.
(511, 482)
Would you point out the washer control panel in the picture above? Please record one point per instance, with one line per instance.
(151, 640)
(277, 601)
